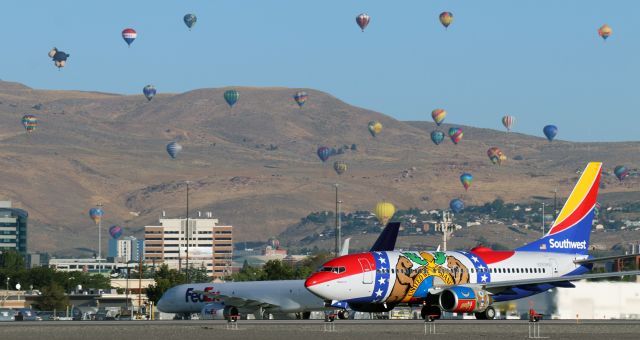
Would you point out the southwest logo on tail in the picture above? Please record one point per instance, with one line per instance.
(571, 230)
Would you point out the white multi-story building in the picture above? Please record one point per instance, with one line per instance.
(210, 245)
(128, 249)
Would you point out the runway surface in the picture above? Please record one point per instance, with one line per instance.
(315, 329)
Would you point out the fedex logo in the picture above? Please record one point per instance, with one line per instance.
(567, 244)
(191, 296)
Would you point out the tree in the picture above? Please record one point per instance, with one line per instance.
(52, 297)
(165, 278)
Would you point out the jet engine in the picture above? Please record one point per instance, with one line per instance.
(218, 311)
(464, 300)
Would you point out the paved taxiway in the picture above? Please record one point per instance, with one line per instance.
(313, 329)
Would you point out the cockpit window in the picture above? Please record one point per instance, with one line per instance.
(336, 270)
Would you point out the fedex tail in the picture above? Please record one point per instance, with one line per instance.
(571, 230)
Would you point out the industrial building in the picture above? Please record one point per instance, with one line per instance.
(209, 245)
(13, 228)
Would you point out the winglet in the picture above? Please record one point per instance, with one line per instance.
(387, 239)
(345, 247)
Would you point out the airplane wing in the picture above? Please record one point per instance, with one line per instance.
(607, 258)
(236, 301)
(496, 287)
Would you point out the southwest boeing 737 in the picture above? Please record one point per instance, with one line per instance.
(469, 281)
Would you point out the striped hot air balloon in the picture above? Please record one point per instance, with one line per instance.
(173, 149)
(363, 21)
(508, 121)
(496, 155)
(466, 179)
(96, 215)
(129, 35)
(455, 133)
(30, 122)
(300, 97)
(438, 116)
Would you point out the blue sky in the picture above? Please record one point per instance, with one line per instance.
(540, 61)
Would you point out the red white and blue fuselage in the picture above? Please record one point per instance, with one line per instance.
(485, 275)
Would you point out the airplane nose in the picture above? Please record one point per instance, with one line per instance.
(164, 304)
(319, 285)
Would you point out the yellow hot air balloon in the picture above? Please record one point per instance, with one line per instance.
(384, 211)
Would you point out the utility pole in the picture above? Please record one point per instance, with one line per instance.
(140, 284)
(338, 223)
(555, 201)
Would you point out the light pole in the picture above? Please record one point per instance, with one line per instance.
(99, 205)
(338, 223)
(8, 278)
(188, 235)
(542, 219)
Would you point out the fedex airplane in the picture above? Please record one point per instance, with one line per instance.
(469, 281)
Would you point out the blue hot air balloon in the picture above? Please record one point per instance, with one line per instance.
(190, 20)
(456, 205)
(324, 153)
(550, 131)
(173, 148)
(149, 92)
(115, 231)
(437, 137)
(96, 214)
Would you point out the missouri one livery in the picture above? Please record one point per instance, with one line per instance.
(469, 282)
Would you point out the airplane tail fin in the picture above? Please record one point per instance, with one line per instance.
(387, 239)
(571, 230)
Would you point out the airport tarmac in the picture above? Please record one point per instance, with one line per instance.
(314, 329)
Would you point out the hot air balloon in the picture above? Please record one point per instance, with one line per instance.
(149, 91)
(621, 172)
(466, 179)
(59, 58)
(173, 149)
(300, 97)
(604, 31)
(384, 211)
(375, 127)
(455, 134)
(446, 18)
(115, 231)
(231, 96)
(550, 131)
(30, 122)
(508, 121)
(129, 35)
(340, 167)
(190, 20)
(456, 205)
(438, 116)
(363, 20)
(437, 137)
(496, 155)
(96, 215)
(274, 243)
(324, 153)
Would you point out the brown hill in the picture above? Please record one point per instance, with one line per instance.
(254, 165)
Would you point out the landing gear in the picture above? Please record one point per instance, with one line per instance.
(430, 313)
(488, 314)
(343, 314)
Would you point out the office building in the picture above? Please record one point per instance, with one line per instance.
(210, 244)
(127, 249)
(13, 228)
